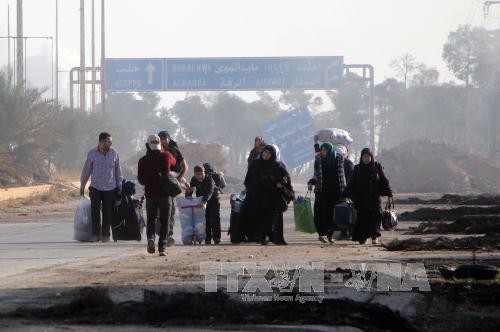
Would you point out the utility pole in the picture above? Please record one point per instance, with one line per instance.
(19, 55)
(57, 56)
(494, 122)
(103, 55)
(368, 77)
(92, 109)
(9, 74)
(82, 56)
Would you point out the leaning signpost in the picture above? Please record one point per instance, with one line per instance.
(292, 133)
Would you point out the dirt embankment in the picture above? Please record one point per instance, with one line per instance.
(427, 166)
(451, 199)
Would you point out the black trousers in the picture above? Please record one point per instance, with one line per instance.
(161, 205)
(212, 218)
(101, 200)
(323, 214)
(171, 222)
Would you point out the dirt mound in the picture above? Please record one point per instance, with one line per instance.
(444, 243)
(433, 214)
(94, 306)
(487, 224)
(450, 199)
(426, 166)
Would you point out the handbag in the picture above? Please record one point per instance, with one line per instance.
(286, 196)
(389, 215)
(303, 215)
(169, 183)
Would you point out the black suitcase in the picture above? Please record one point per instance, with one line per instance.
(235, 228)
(127, 221)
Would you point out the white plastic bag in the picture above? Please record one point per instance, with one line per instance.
(335, 136)
(83, 220)
(192, 219)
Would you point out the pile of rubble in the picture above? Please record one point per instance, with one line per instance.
(426, 166)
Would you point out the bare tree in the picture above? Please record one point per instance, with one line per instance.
(404, 65)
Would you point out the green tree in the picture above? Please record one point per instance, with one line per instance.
(471, 53)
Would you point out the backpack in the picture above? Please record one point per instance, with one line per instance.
(219, 180)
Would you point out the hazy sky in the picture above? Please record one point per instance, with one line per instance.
(363, 31)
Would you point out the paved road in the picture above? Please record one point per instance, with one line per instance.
(24, 246)
(34, 244)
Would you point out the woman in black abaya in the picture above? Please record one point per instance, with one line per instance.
(263, 202)
(368, 183)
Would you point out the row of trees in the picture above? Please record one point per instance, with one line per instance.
(413, 104)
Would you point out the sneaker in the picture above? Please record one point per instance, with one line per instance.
(162, 252)
(208, 242)
(151, 246)
(170, 241)
(330, 239)
(264, 241)
(363, 241)
(322, 239)
(93, 238)
(105, 239)
(375, 241)
(216, 241)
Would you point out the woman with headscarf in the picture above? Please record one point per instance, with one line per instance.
(329, 182)
(258, 146)
(277, 236)
(264, 182)
(368, 183)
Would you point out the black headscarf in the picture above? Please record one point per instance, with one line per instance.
(271, 150)
(367, 170)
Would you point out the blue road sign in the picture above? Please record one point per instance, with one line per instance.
(231, 74)
(134, 74)
(292, 132)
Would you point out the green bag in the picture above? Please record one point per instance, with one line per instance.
(303, 215)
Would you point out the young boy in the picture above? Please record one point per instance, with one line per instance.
(204, 186)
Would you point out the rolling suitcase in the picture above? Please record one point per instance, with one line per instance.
(344, 216)
(127, 221)
(235, 231)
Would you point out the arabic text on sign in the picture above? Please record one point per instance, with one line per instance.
(270, 82)
(279, 67)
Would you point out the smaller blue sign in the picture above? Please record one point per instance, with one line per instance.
(292, 132)
(134, 74)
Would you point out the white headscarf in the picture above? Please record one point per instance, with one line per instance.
(278, 155)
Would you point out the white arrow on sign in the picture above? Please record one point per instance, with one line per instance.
(150, 69)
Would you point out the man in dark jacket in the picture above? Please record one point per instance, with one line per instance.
(150, 168)
(205, 188)
(180, 167)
